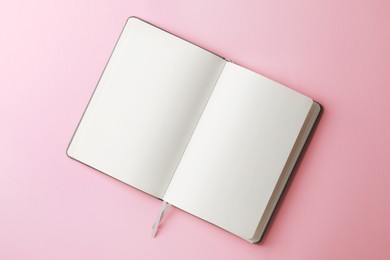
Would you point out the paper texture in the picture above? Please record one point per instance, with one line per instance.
(238, 150)
(146, 106)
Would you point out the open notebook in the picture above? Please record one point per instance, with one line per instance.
(193, 129)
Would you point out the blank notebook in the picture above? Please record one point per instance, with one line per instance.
(187, 126)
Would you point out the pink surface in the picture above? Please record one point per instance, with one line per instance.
(51, 56)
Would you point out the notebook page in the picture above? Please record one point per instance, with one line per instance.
(238, 150)
(145, 107)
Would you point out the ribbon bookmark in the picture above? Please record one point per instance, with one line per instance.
(163, 211)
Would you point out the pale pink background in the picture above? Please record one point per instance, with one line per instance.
(52, 53)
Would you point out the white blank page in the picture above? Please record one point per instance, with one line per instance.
(238, 150)
(145, 107)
